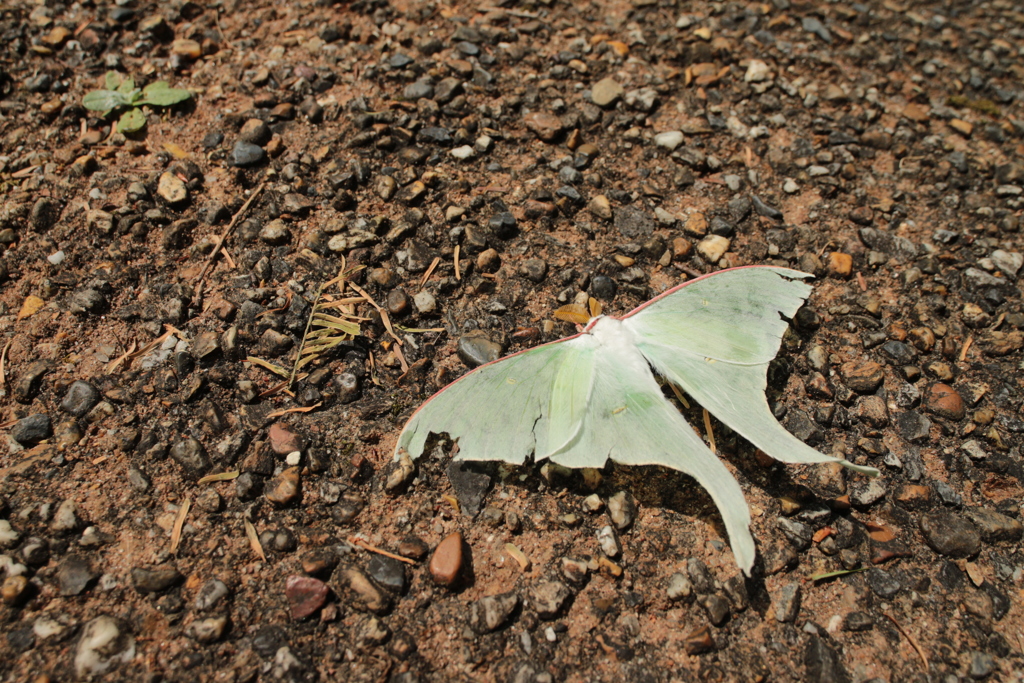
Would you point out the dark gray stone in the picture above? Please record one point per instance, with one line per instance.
(155, 579)
(191, 455)
(632, 222)
(822, 663)
(913, 426)
(503, 225)
(814, 25)
(797, 533)
(29, 430)
(418, 90)
(803, 427)
(603, 287)
(949, 534)
(74, 575)
(388, 572)
(247, 154)
(901, 353)
(80, 398)
(476, 348)
(87, 300)
(434, 135)
(882, 583)
(787, 606)
(982, 665)
(470, 487)
(44, 215)
(700, 576)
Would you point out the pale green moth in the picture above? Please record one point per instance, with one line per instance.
(592, 397)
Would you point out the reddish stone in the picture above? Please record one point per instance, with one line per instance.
(944, 401)
(446, 562)
(305, 595)
(283, 441)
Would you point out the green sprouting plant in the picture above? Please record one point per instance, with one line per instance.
(121, 93)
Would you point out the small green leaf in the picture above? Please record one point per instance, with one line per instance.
(112, 79)
(131, 121)
(837, 573)
(104, 100)
(159, 94)
(127, 85)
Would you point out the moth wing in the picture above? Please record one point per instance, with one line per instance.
(733, 315)
(715, 337)
(531, 401)
(630, 421)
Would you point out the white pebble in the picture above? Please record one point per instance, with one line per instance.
(56, 258)
(669, 140)
(757, 71)
(464, 152)
(293, 458)
(790, 186)
(483, 144)
(101, 647)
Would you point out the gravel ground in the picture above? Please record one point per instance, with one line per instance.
(473, 167)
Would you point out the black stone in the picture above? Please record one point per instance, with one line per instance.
(502, 225)
(765, 210)
(899, 352)
(823, 664)
(603, 287)
(29, 430)
(803, 427)
(388, 572)
(470, 487)
(950, 534)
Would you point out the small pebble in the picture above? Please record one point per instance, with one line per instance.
(606, 92)
(284, 488)
(155, 579)
(447, 560)
(102, 646)
(548, 598)
(305, 595)
(950, 534)
(490, 613)
(171, 188)
(787, 605)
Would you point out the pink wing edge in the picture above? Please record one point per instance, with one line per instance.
(681, 285)
(636, 310)
(481, 367)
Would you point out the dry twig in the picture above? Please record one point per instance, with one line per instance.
(910, 639)
(711, 433)
(223, 236)
(254, 539)
(179, 522)
(374, 549)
